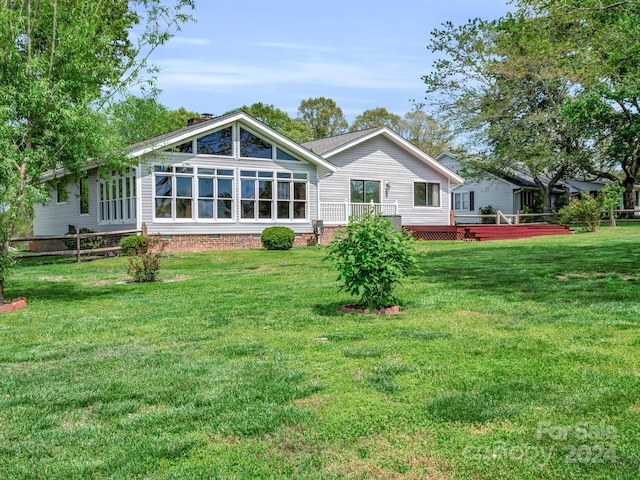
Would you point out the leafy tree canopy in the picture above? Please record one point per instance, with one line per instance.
(324, 116)
(376, 117)
(137, 119)
(62, 62)
(279, 120)
(425, 132)
(501, 84)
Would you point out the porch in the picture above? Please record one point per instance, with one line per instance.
(339, 213)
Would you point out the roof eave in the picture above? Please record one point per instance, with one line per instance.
(241, 117)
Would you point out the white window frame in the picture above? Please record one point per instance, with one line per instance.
(117, 203)
(427, 194)
(461, 201)
(292, 178)
(195, 192)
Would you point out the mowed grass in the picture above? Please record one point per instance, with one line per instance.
(511, 359)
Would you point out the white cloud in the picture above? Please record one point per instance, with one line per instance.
(180, 73)
(178, 41)
(296, 46)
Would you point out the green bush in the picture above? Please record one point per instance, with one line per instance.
(144, 264)
(372, 257)
(584, 210)
(277, 238)
(133, 245)
(488, 210)
(85, 243)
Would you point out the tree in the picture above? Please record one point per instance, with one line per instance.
(501, 84)
(425, 132)
(62, 62)
(372, 257)
(376, 117)
(280, 121)
(137, 119)
(602, 50)
(323, 116)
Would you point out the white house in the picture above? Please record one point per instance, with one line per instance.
(218, 183)
(509, 192)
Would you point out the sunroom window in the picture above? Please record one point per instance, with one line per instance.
(269, 196)
(117, 198)
(216, 143)
(252, 146)
(281, 155)
(189, 193)
(292, 196)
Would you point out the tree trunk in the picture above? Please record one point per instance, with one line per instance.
(628, 197)
(546, 200)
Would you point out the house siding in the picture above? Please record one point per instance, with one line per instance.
(54, 218)
(492, 191)
(371, 160)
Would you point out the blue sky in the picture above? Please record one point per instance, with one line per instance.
(362, 54)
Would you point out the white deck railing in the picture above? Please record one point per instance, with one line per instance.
(339, 213)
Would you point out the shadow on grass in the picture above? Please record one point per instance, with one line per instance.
(540, 271)
(59, 291)
(333, 309)
(495, 402)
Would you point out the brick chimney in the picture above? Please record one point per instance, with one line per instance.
(202, 118)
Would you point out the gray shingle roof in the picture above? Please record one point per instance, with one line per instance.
(325, 145)
(159, 138)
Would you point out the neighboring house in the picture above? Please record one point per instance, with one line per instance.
(509, 192)
(220, 182)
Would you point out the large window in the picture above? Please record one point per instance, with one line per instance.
(215, 193)
(84, 195)
(292, 195)
(365, 191)
(426, 194)
(221, 142)
(117, 198)
(180, 192)
(253, 146)
(216, 143)
(463, 201)
(269, 195)
(61, 192)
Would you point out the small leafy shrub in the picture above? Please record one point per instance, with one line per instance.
(144, 264)
(133, 245)
(85, 243)
(372, 257)
(584, 210)
(277, 238)
(610, 197)
(488, 210)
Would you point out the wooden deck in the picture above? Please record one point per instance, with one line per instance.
(486, 232)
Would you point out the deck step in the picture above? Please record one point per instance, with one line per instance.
(511, 232)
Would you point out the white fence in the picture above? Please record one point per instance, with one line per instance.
(338, 213)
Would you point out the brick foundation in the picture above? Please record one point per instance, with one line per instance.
(204, 243)
(329, 234)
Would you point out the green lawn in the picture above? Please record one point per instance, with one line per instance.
(511, 359)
